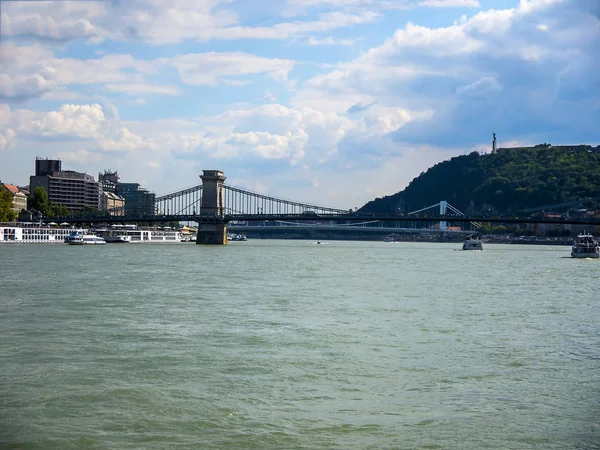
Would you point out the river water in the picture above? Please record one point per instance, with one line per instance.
(291, 345)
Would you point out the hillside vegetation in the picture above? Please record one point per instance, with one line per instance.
(507, 181)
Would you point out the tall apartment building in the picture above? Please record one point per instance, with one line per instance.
(109, 180)
(138, 201)
(75, 190)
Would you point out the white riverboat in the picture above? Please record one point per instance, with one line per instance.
(35, 233)
(134, 234)
(84, 239)
(585, 247)
(114, 236)
(473, 242)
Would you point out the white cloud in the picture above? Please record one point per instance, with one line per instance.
(125, 140)
(482, 86)
(330, 40)
(82, 121)
(32, 71)
(80, 157)
(141, 89)
(450, 3)
(52, 20)
(85, 122)
(434, 69)
(214, 68)
(156, 22)
(267, 145)
(302, 5)
(6, 138)
(326, 22)
(153, 164)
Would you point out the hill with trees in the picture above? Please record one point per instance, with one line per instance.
(510, 180)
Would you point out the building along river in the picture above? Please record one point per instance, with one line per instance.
(290, 345)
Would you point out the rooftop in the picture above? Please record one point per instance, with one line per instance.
(12, 188)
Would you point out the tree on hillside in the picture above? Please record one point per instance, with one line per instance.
(39, 200)
(58, 209)
(6, 202)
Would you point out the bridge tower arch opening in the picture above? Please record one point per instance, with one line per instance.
(211, 224)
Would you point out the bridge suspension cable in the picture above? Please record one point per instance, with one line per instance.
(241, 201)
(443, 208)
(184, 202)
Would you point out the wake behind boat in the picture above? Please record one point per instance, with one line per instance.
(585, 247)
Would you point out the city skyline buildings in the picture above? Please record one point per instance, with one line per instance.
(79, 191)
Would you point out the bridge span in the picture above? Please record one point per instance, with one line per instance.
(214, 204)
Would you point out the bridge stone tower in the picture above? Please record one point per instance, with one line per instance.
(211, 226)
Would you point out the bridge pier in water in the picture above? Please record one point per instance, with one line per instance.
(211, 234)
(211, 226)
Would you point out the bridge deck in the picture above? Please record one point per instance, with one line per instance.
(317, 217)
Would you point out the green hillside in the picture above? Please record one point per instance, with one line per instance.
(509, 180)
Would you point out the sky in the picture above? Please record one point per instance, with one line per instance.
(333, 102)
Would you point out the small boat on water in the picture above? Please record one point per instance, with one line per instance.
(586, 246)
(84, 239)
(236, 237)
(473, 242)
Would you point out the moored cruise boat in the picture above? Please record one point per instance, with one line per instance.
(585, 247)
(84, 239)
(134, 234)
(34, 233)
(473, 242)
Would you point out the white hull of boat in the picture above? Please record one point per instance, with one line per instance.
(86, 239)
(472, 245)
(117, 239)
(585, 247)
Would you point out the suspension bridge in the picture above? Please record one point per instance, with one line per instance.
(214, 204)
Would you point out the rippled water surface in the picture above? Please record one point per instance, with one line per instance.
(291, 345)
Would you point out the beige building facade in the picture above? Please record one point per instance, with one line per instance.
(19, 197)
(113, 203)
